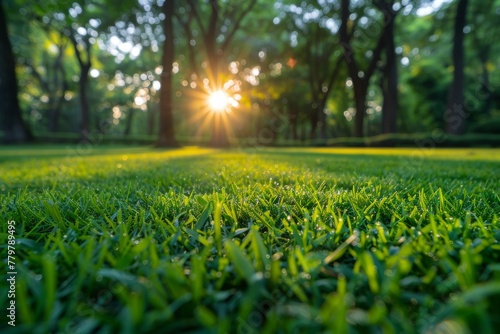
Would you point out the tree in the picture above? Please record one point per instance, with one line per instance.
(54, 83)
(223, 23)
(455, 115)
(484, 34)
(166, 136)
(15, 130)
(71, 20)
(83, 55)
(321, 64)
(360, 79)
(81, 23)
(390, 68)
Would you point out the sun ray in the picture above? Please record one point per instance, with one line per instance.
(213, 108)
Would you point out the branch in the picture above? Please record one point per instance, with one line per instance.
(36, 74)
(75, 47)
(212, 24)
(236, 26)
(335, 73)
(187, 29)
(197, 17)
(310, 73)
(345, 40)
(376, 56)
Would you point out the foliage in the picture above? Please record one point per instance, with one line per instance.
(254, 54)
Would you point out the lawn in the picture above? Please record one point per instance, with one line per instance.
(294, 240)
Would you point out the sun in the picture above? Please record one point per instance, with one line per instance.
(218, 101)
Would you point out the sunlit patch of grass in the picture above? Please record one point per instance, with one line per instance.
(331, 240)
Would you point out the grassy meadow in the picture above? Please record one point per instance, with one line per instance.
(142, 240)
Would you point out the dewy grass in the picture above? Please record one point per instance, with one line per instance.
(318, 240)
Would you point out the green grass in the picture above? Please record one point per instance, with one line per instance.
(296, 240)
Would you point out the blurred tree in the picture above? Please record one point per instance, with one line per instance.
(83, 54)
(166, 135)
(15, 130)
(455, 113)
(484, 33)
(389, 81)
(316, 44)
(280, 59)
(53, 80)
(360, 78)
(422, 43)
(81, 22)
(224, 21)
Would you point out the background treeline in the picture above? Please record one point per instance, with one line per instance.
(315, 71)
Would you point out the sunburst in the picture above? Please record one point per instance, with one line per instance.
(214, 109)
(218, 101)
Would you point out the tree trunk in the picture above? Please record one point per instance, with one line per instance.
(318, 121)
(219, 134)
(166, 136)
(15, 130)
(151, 120)
(390, 81)
(54, 119)
(84, 102)
(128, 124)
(454, 115)
(85, 65)
(211, 43)
(314, 123)
(57, 107)
(360, 90)
(323, 125)
(293, 125)
(59, 81)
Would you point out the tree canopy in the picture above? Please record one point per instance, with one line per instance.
(322, 69)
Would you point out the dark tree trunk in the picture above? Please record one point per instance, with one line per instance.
(323, 125)
(60, 88)
(293, 126)
(322, 122)
(211, 42)
(303, 131)
(54, 120)
(128, 124)
(56, 109)
(318, 120)
(360, 90)
(390, 80)
(151, 120)
(166, 130)
(15, 130)
(85, 65)
(219, 131)
(454, 114)
(313, 117)
(84, 102)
